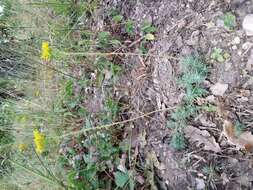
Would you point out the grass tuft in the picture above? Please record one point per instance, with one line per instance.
(194, 73)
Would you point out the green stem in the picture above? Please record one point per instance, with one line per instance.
(46, 178)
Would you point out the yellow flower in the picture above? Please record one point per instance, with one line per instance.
(45, 51)
(39, 140)
(22, 147)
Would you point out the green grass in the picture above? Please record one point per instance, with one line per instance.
(82, 150)
(194, 73)
(52, 105)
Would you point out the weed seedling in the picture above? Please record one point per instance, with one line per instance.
(229, 21)
(218, 55)
(147, 31)
(129, 27)
(194, 73)
(239, 128)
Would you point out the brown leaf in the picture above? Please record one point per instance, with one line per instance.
(243, 141)
(201, 137)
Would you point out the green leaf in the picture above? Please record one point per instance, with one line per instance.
(129, 27)
(209, 108)
(217, 55)
(147, 28)
(178, 141)
(103, 38)
(149, 37)
(117, 18)
(239, 128)
(171, 124)
(69, 88)
(220, 59)
(229, 21)
(115, 42)
(121, 179)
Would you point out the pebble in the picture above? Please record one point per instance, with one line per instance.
(234, 47)
(236, 40)
(228, 66)
(219, 23)
(248, 24)
(219, 89)
(246, 45)
(210, 99)
(243, 99)
(200, 184)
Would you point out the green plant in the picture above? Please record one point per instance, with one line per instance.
(147, 28)
(209, 108)
(194, 73)
(148, 35)
(217, 55)
(239, 128)
(124, 179)
(129, 27)
(229, 20)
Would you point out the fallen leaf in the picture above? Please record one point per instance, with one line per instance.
(243, 141)
(122, 165)
(224, 178)
(154, 160)
(201, 137)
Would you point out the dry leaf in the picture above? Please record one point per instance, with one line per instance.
(201, 137)
(122, 165)
(243, 141)
(151, 156)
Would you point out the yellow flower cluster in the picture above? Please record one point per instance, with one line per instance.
(39, 140)
(45, 51)
(22, 147)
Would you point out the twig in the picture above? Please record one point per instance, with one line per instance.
(116, 123)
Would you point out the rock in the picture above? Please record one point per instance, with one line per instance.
(200, 184)
(236, 41)
(234, 47)
(248, 24)
(247, 45)
(249, 64)
(219, 23)
(243, 99)
(210, 99)
(219, 89)
(228, 66)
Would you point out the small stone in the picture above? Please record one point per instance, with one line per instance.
(245, 93)
(246, 45)
(219, 23)
(219, 89)
(234, 47)
(210, 99)
(200, 184)
(236, 40)
(248, 24)
(228, 66)
(243, 99)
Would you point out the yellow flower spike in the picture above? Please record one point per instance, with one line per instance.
(22, 147)
(39, 140)
(37, 93)
(45, 51)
